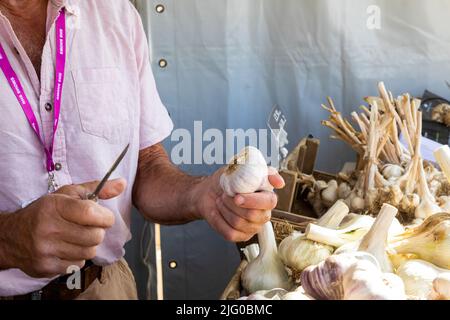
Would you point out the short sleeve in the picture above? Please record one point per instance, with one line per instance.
(155, 122)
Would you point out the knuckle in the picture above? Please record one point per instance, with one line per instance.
(98, 235)
(231, 236)
(89, 253)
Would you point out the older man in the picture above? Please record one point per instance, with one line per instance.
(76, 86)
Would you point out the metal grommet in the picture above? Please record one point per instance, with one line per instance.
(160, 8)
(173, 264)
(58, 166)
(162, 63)
(48, 106)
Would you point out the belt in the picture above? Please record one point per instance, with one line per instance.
(58, 289)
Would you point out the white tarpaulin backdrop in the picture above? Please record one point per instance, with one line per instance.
(230, 61)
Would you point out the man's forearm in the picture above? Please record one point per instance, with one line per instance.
(162, 192)
(8, 223)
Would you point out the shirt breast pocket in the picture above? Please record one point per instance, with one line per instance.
(102, 103)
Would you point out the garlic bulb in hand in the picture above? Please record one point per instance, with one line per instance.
(246, 173)
(430, 241)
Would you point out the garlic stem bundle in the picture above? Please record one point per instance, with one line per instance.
(297, 252)
(247, 172)
(430, 241)
(375, 241)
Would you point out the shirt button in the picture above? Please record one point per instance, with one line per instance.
(48, 106)
(58, 166)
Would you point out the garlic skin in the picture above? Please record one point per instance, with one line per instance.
(278, 294)
(430, 241)
(246, 173)
(297, 294)
(266, 271)
(418, 276)
(272, 294)
(441, 287)
(351, 276)
(297, 252)
(364, 281)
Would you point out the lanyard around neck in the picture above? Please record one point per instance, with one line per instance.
(17, 88)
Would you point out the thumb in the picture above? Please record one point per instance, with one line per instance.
(111, 189)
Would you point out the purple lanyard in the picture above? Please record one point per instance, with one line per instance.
(17, 88)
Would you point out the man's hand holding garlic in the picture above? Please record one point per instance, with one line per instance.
(238, 217)
(166, 195)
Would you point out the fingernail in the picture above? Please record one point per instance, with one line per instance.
(239, 200)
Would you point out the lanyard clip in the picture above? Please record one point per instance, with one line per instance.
(52, 185)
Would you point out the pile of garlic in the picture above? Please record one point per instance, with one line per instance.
(388, 171)
(344, 255)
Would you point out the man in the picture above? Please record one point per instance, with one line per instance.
(54, 146)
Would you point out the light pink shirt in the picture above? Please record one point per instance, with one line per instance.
(109, 99)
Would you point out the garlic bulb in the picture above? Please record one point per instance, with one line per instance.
(418, 276)
(430, 241)
(246, 173)
(344, 190)
(297, 252)
(441, 286)
(375, 241)
(352, 276)
(390, 171)
(266, 271)
(330, 193)
(297, 294)
(364, 281)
